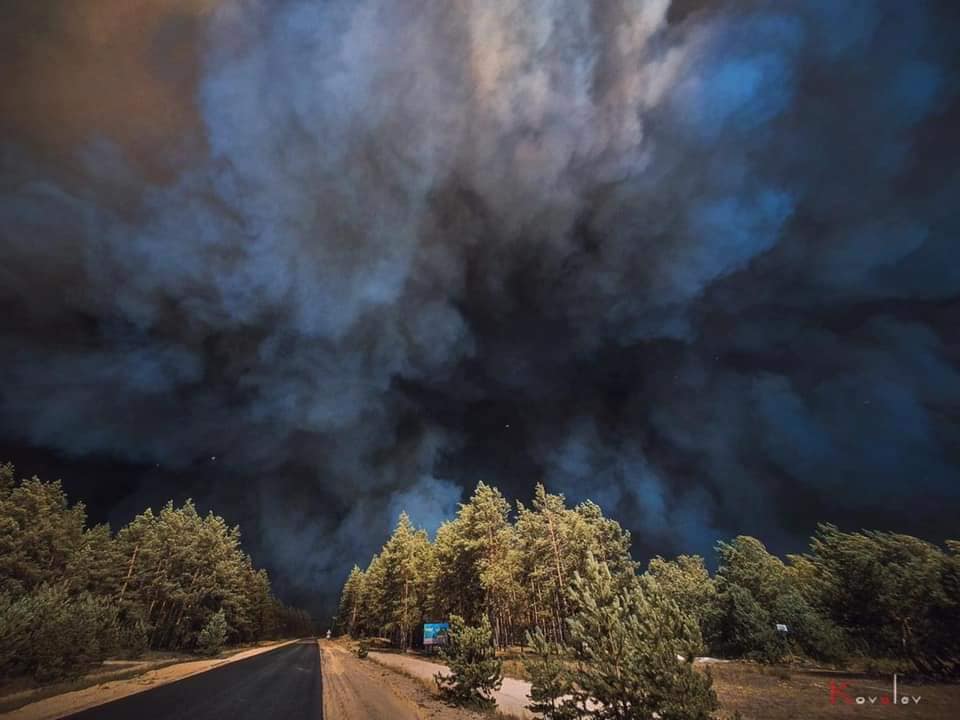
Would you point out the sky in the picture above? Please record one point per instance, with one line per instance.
(314, 262)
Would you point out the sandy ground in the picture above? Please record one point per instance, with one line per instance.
(352, 690)
(355, 689)
(60, 706)
(757, 692)
(511, 697)
(777, 693)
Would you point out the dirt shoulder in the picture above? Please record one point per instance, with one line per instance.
(355, 689)
(757, 692)
(760, 693)
(110, 686)
(511, 697)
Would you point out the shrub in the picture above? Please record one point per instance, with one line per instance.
(213, 635)
(810, 632)
(475, 670)
(133, 636)
(15, 625)
(51, 635)
(551, 679)
(363, 648)
(634, 649)
(741, 627)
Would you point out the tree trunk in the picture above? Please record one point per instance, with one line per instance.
(126, 580)
(153, 635)
(561, 585)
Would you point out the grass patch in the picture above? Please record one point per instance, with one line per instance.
(760, 692)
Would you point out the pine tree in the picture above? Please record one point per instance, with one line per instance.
(456, 587)
(70, 595)
(348, 612)
(262, 604)
(96, 565)
(756, 591)
(544, 536)
(551, 680)
(887, 591)
(213, 635)
(7, 479)
(404, 559)
(940, 639)
(489, 559)
(884, 592)
(50, 634)
(635, 650)
(39, 534)
(608, 542)
(687, 582)
(739, 626)
(745, 562)
(475, 670)
(373, 616)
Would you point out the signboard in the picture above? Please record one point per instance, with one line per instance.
(435, 633)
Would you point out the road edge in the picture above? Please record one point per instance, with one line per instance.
(323, 685)
(44, 709)
(506, 708)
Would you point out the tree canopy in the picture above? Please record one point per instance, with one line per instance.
(156, 583)
(864, 593)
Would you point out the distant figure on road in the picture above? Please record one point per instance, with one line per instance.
(328, 634)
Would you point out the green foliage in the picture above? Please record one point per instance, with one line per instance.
(755, 592)
(483, 565)
(39, 534)
(363, 648)
(551, 679)
(475, 670)
(7, 479)
(488, 542)
(811, 632)
(71, 595)
(864, 593)
(477, 564)
(740, 627)
(403, 588)
(894, 595)
(635, 649)
(133, 636)
(686, 582)
(555, 542)
(176, 567)
(212, 637)
(745, 563)
(348, 615)
(49, 634)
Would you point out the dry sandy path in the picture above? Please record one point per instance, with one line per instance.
(352, 690)
(511, 697)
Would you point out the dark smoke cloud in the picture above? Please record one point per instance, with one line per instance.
(697, 263)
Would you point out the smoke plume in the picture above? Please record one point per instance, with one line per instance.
(322, 261)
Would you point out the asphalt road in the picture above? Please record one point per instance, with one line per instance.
(283, 683)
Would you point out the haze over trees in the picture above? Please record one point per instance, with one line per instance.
(862, 594)
(71, 595)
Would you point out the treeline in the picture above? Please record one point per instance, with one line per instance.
(71, 595)
(869, 594)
